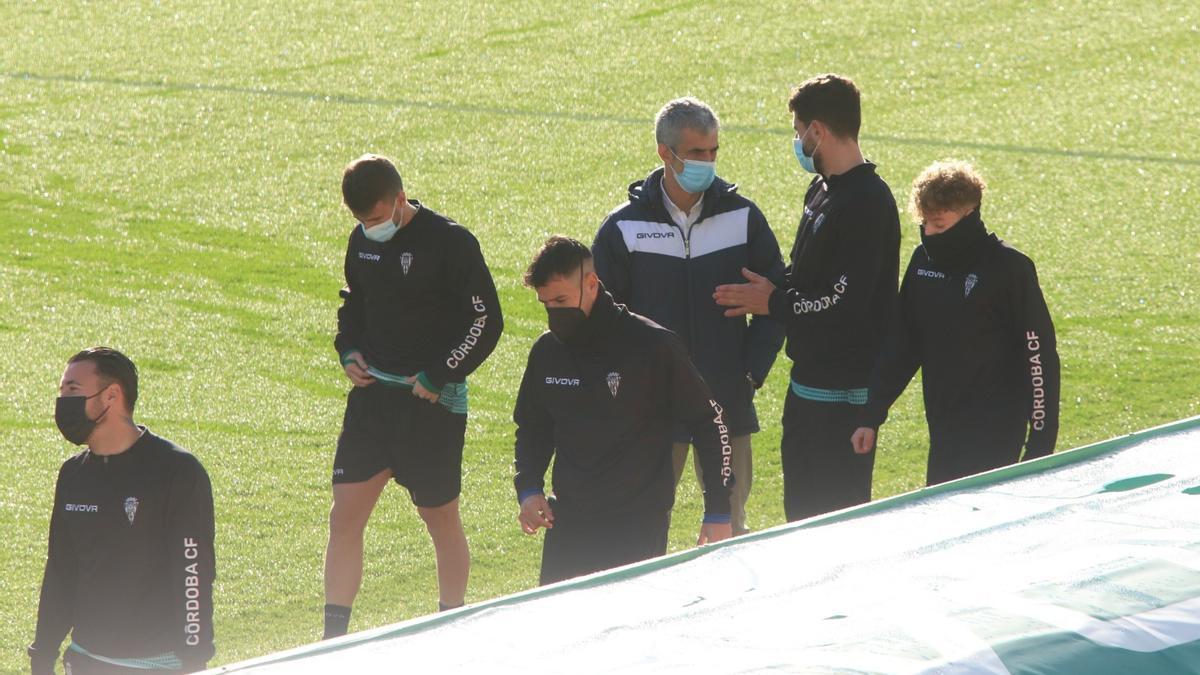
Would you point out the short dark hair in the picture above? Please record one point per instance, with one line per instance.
(369, 180)
(558, 257)
(113, 366)
(832, 99)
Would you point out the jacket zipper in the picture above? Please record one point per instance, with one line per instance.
(687, 265)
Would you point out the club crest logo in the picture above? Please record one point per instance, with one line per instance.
(131, 504)
(614, 382)
(969, 284)
(406, 261)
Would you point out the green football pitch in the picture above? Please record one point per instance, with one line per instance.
(169, 185)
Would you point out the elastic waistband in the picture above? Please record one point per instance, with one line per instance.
(165, 661)
(851, 396)
(453, 396)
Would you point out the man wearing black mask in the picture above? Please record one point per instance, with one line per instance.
(973, 319)
(130, 566)
(602, 393)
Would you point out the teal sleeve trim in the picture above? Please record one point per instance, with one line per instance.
(452, 397)
(427, 383)
(345, 356)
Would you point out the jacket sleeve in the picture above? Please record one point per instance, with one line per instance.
(351, 316)
(612, 260)
(535, 434)
(764, 337)
(56, 609)
(1042, 371)
(898, 361)
(693, 406)
(191, 533)
(475, 299)
(840, 304)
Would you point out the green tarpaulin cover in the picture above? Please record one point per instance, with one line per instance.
(1087, 561)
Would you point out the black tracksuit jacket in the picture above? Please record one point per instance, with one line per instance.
(131, 565)
(840, 289)
(668, 275)
(421, 302)
(973, 319)
(605, 406)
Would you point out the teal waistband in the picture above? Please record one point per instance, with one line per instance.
(167, 661)
(851, 396)
(452, 398)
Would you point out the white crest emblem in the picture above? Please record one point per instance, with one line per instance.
(131, 504)
(614, 382)
(969, 284)
(406, 261)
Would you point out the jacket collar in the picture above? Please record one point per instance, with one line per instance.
(959, 247)
(598, 326)
(648, 193)
(858, 173)
(130, 454)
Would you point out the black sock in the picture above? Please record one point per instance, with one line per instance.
(443, 607)
(337, 621)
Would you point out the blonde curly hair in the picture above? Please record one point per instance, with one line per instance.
(947, 185)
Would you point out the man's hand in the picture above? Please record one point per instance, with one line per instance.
(749, 298)
(863, 440)
(711, 533)
(356, 370)
(420, 391)
(535, 513)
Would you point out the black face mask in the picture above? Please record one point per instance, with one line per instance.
(70, 414)
(565, 321)
(956, 247)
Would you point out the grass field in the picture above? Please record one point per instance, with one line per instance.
(169, 186)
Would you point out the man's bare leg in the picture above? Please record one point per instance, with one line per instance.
(453, 556)
(352, 507)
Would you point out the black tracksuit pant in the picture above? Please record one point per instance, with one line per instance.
(821, 472)
(580, 544)
(957, 449)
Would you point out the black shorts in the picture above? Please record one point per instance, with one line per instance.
(389, 428)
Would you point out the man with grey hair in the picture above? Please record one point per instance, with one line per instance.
(682, 233)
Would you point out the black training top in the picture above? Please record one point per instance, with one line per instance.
(973, 318)
(421, 302)
(841, 284)
(605, 407)
(131, 565)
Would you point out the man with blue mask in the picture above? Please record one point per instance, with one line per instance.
(683, 232)
(836, 301)
(419, 314)
(130, 563)
(603, 394)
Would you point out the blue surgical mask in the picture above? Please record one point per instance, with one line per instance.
(806, 161)
(383, 231)
(696, 175)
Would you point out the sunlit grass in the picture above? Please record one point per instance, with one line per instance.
(169, 185)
